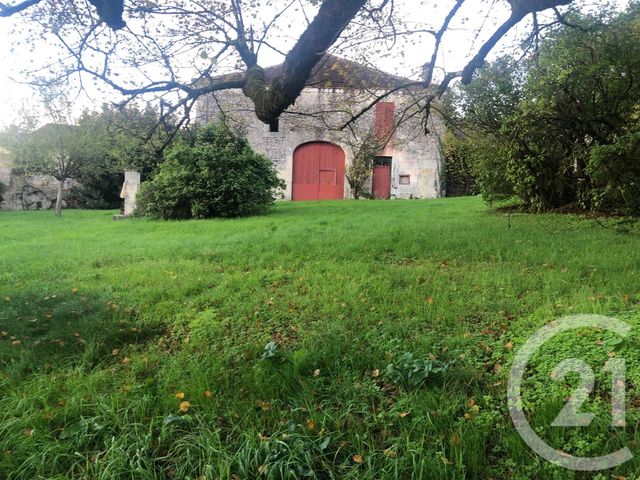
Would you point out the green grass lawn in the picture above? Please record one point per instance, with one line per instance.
(294, 336)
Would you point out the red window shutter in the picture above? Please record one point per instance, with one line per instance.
(384, 118)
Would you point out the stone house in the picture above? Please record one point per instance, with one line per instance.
(312, 149)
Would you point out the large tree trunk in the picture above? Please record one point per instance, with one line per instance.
(59, 198)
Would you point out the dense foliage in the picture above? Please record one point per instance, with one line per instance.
(128, 138)
(215, 175)
(94, 151)
(560, 129)
(457, 175)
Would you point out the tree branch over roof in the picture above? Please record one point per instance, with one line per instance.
(160, 33)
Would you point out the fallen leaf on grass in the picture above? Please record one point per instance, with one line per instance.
(311, 424)
(208, 394)
(27, 432)
(358, 458)
(180, 395)
(185, 406)
(390, 453)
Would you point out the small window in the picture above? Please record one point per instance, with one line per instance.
(274, 127)
(405, 180)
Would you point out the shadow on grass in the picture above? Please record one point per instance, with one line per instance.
(39, 331)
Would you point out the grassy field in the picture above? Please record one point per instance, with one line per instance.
(341, 340)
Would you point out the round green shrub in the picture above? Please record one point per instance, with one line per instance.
(216, 175)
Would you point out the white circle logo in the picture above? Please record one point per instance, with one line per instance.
(570, 416)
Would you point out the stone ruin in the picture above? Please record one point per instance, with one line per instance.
(29, 192)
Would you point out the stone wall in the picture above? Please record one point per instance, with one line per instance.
(317, 116)
(33, 192)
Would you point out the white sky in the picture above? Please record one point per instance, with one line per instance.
(459, 44)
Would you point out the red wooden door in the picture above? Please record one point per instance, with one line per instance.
(381, 182)
(318, 172)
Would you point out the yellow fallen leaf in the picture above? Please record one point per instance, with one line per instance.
(185, 406)
(74, 290)
(311, 424)
(16, 343)
(471, 402)
(358, 458)
(27, 432)
(115, 351)
(208, 394)
(390, 453)
(126, 361)
(180, 395)
(508, 345)
(403, 414)
(375, 373)
(262, 469)
(316, 373)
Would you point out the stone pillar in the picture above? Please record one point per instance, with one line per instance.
(130, 190)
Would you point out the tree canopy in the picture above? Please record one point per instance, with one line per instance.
(180, 49)
(561, 128)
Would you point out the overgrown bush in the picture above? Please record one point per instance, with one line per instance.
(216, 175)
(97, 192)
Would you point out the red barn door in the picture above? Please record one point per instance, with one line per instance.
(318, 172)
(381, 182)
